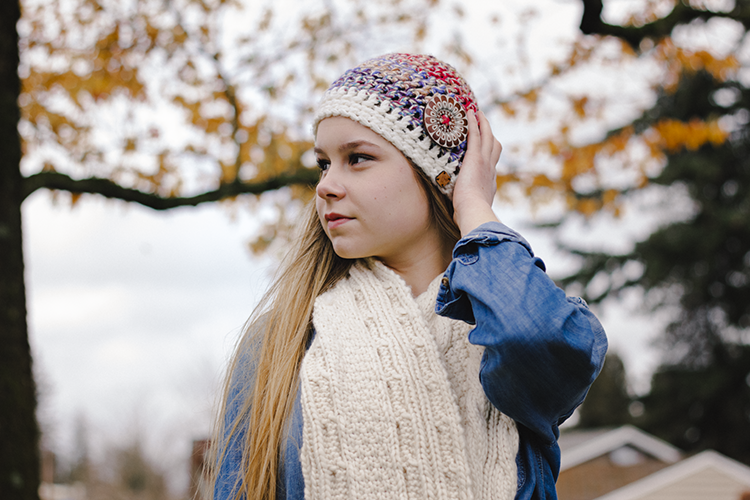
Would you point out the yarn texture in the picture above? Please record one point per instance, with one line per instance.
(391, 400)
(390, 94)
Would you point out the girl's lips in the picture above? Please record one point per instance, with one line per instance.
(335, 220)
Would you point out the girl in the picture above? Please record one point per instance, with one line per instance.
(412, 346)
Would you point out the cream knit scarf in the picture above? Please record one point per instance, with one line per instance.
(391, 400)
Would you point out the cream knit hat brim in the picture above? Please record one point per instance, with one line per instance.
(390, 95)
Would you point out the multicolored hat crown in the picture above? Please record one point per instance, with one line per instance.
(416, 102)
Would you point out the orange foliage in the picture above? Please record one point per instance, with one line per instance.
(586, 206)
(508, 109)
(665, 136)
(579, 160)
(92, 70)
(673, 135)
(676, 60)
(228, 125)
(504, 179)
(540, 181)
(576, 162)
(579, 106)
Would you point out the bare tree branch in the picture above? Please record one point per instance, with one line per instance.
(592, 24)
(110, 189)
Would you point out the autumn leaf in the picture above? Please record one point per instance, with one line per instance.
(579, 106)
(673, 135)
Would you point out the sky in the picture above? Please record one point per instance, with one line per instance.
(133, 313)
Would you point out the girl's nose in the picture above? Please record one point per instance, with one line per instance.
(330, 185)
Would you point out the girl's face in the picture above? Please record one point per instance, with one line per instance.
(369, 200)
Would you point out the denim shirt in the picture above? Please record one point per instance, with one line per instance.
(542, 352)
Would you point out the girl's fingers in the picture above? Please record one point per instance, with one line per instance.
(497, 150)
(491, 148)
(485, 132)
(482, 154)
(475, 186)
(475, 135)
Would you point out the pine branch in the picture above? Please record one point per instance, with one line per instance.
(110, 189)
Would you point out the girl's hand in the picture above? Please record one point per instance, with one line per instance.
(476, 183)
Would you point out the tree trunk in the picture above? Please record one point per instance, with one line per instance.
(19, 434)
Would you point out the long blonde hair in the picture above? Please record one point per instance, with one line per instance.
(274, 343)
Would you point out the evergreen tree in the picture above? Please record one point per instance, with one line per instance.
(700, 264)
(607, 402)
(708, 407)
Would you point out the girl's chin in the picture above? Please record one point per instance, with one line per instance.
(348, 252)
(344, 254)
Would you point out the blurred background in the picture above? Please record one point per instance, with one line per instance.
(165, 151)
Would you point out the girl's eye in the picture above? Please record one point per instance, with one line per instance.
(358, 158)
(323, 164)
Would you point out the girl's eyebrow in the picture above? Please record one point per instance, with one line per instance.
(348, 146)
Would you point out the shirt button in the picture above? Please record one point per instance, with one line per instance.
(444, 282)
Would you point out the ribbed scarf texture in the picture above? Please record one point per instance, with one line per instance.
(391, 400)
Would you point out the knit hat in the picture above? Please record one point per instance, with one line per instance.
(416, 102)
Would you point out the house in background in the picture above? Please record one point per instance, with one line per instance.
(629, 464)
(48, 489)
(705, 476)
(596, 462)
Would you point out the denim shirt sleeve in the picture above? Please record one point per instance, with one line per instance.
(542, 349)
